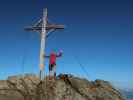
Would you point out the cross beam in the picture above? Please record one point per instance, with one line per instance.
(43, 27)
(38, 26)
(48, 27)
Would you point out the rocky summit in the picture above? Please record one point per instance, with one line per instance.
(65, 87)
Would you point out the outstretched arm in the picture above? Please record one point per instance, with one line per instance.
(46, 56)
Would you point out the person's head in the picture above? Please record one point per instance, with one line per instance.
(53, 50)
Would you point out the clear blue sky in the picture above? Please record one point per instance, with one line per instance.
(98, 32)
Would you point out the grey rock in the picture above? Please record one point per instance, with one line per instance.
(66, 87)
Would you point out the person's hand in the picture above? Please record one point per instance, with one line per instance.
(60, 53)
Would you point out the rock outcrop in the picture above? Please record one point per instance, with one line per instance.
(66, 87)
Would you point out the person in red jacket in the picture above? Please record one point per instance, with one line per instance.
(52, 63)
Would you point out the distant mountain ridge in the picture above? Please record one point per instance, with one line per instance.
(128, 93)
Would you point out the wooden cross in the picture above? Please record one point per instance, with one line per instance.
(43, 27)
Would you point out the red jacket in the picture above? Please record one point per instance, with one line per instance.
(53, 58)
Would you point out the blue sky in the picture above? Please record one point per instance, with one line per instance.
(98, 32)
